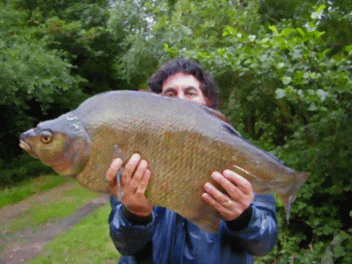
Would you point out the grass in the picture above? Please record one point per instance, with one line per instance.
(68, 203)
(53, 212)
(86, 242)
(14, 194)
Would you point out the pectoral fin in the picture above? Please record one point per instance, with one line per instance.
(118, 153)
(118, 180)
(215, 113)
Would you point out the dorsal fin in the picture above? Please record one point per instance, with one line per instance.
(222, 117)
(215, 113)
(231, 130)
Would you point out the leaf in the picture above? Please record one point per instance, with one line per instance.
(322, 94)
(280, 65)
(300, 31)
(311, 25)
(251, 38)
(312, 107)
(349, 49)
(318, 12)
(316, 15)
(229, 31)
(274, 29)
(286, 80)
(280, 93)
(320, 8)
(221, 51)
(287, 31)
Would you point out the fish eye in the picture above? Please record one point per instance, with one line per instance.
(46, 137)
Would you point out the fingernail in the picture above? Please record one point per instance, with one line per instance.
(216, 175)
(117, 161)
(227, 173)
(136, 156)
(207, 186)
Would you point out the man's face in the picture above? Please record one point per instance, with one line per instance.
(183, 86)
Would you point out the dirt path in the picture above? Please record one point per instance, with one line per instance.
(22, 245)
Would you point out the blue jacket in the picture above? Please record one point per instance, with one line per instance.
(170, 238)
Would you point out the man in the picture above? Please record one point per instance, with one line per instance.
(143, 234)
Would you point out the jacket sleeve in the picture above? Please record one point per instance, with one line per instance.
(260, 236)
(128, 238)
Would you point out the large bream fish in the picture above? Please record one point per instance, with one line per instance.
(182, 142)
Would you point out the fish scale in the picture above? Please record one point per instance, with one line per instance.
(182, 142)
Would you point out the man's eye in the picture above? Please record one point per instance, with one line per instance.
(192, 93)
(170, 94)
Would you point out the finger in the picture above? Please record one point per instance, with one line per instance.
(130, 167)
(229, 213)
(223, 211)
(138, 174)
(241, 183)
(144, 182)
(217, 195)
(231, 190)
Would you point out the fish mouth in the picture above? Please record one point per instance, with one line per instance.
(60, 166)
(24, 146)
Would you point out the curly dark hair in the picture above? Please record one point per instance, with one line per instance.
(207, 84)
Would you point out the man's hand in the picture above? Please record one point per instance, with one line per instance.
(239, 194)
(134, 182)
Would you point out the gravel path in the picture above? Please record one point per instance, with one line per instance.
(25, 244)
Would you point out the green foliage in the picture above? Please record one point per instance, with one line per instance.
(28, 70)
(293, 96)
(30, 76)
(21, 170)
(52, 55)
(284, 68)
(285, 89)
(132, 21)
(80, 30)
(335, 21)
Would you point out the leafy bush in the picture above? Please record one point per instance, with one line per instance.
(20, 169)
(290, 94)
(287, 91)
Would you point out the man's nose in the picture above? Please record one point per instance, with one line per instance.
(181, 95)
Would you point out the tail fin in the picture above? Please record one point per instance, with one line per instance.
(288, 197)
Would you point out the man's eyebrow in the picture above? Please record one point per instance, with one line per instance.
(169, 89)
(191, 87)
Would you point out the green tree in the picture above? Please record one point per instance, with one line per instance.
(336, 22)
(54, 55)
(292, 95)
(29, 73)
(158, 31)
(285, 78)
(79, 28)
(134, 20)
